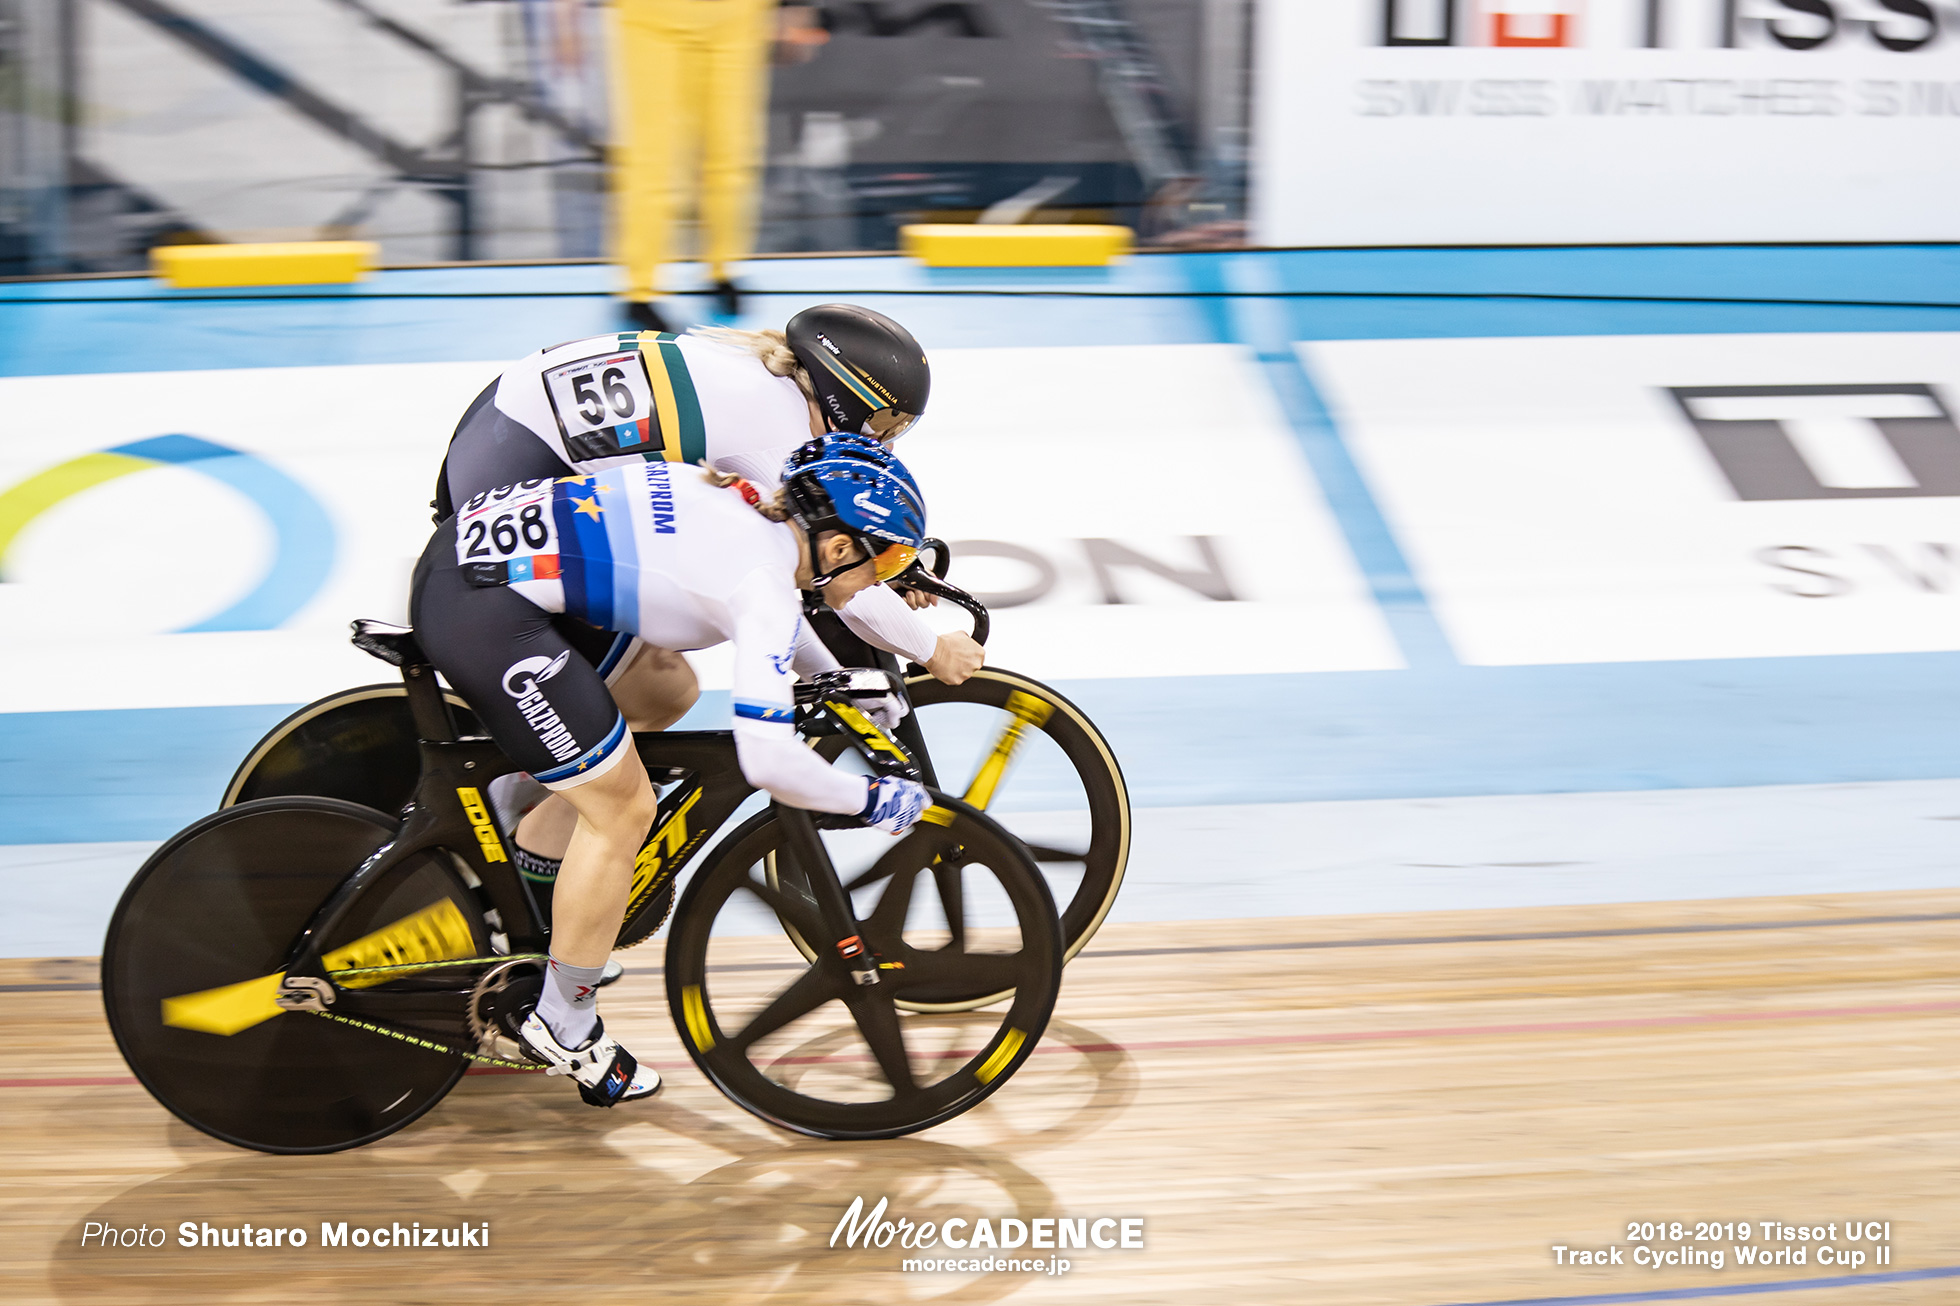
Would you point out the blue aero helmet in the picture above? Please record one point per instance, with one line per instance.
(854, 484)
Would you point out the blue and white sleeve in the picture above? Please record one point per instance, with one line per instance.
(773, 757)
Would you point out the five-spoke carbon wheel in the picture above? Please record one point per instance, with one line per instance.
(1019, 750)
(953, 907)
(197, 945)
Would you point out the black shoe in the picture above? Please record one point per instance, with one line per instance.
(645, 316)
(728, 300)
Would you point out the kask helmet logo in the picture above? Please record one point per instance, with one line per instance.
(303, 534)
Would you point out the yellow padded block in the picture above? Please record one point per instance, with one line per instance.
(988, 245)
(286, 263)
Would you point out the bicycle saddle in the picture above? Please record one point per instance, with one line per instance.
(392, 644)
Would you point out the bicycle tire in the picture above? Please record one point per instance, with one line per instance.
(221, 904)
(358, 745)
(699, 993)
(1086, 904)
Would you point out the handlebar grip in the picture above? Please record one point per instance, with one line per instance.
(920, 579)
(942, 557)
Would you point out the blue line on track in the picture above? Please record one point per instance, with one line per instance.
(165, 329)
(1729, 1290)
(1201, 740)
(1268, 328)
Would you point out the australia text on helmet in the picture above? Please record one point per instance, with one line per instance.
(521, 680)
(872, 1229)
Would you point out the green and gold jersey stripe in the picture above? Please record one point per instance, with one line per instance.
(685, 436)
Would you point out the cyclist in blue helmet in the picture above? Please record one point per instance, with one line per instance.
(854, 484)
(683, 558)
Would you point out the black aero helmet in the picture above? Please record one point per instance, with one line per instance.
(870, 375)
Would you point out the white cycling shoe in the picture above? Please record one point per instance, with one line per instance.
(606, 1073)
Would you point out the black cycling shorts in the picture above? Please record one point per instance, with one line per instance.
(487, 451)
(544, 702)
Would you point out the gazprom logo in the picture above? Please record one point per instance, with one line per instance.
(528, 673)
(303, 534)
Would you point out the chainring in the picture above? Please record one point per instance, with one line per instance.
(501, 1000)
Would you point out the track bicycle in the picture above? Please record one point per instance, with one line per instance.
(1029, 757)
(303, 974)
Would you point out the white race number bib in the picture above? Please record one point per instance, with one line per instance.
(508, 535)
(604, 406)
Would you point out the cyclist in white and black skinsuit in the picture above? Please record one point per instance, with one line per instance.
(684, 558)
(740, 401)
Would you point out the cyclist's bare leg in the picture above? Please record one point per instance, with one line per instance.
(611, 816)
(654, 689)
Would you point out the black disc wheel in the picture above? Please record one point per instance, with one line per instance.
(358, 745)
(196, 949)
(1031, 759)
(749, 1004)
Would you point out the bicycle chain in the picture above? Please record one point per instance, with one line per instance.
(409, 968)
(432, 1045)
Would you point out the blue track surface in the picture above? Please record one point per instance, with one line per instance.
(91, 776)
(1438, 728)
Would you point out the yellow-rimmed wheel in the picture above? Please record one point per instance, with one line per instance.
(1031, 759)
(799, 1040)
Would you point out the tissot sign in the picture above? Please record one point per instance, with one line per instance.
(1521, 121)
(1632, 498)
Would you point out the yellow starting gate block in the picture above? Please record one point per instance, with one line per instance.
(988, 245)
(287, 263)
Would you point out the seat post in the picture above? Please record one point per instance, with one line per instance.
(426, 704)
(398, 647)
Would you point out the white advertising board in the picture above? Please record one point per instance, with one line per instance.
(1634, 498)
(1387, 122)
(181, 539)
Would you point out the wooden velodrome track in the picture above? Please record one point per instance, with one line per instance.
(1406, 1109)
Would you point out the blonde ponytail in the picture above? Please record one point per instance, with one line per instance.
(770, 347)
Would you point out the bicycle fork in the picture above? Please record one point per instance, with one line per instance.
(833, 903)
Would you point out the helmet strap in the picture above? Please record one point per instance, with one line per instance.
(822, 579)
(869, 558)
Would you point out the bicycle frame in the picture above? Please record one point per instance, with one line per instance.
(449, 812)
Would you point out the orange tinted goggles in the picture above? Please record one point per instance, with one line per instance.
(893, 560)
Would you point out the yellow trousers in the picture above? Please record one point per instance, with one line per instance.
(689, 102)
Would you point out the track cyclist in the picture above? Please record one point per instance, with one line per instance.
(739, 401)
(682, 558)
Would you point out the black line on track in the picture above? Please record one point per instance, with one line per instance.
(1416, 940)
(983, 292)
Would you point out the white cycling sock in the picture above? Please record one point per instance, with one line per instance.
(569, 1006)
(512, 797)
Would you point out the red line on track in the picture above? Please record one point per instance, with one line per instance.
(1280, 1040)
(1485, 1031)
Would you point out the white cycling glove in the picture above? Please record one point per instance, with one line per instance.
(894, 804)
(886, 710)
